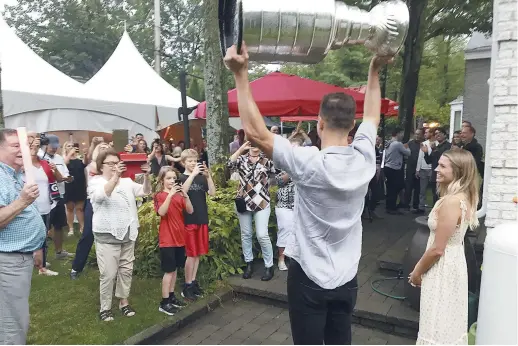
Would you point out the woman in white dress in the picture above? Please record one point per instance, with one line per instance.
(442, 271)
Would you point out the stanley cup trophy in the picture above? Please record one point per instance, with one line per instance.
(303, 31)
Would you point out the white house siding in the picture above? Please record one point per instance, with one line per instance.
(503, 181)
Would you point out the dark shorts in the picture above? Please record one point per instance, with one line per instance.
(58, 216)
(172, 258)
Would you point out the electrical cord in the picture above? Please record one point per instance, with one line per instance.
(399, 277)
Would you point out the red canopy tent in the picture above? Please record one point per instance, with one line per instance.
(290, 97)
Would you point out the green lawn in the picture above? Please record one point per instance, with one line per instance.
(64, 311)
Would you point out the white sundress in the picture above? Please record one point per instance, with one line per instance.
(443, 318)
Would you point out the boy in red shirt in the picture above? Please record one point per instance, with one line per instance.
(170, 204)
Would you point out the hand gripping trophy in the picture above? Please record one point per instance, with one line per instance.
(303, 31)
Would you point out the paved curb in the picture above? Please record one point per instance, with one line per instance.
(161, 331)
(391, 323)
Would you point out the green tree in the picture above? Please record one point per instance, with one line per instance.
(78, 36)
(430, 19)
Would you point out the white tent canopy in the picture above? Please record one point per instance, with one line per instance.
(127, 77)
(43, 99)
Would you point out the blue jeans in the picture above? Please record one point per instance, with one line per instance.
(261, 219)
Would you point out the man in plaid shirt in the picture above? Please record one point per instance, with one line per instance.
(22, 233)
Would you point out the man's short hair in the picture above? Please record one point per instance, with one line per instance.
(396, 131)
(188, 154)
(441, 130)
(457, 132)
(467, 122)
(4, 133)
(338, 111)
(139, 134)
(472, 129)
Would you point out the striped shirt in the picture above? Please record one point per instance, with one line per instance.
(26, 232)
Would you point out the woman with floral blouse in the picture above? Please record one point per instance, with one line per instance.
(254, 194)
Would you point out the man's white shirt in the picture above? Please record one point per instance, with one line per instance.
(421, 162)
(331, 187)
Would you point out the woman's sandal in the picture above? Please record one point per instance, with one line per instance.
(106, 315)
(127, 311)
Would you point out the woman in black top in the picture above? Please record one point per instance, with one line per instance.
(158, 159)
(75, 191)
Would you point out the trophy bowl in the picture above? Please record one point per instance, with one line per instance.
(303, 31)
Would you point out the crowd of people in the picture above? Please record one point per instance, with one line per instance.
(316, 176)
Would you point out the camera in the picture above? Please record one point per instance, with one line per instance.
(43, 140)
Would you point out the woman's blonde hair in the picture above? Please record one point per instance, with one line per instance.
(465, 181)
(161, 176)
(64, 148)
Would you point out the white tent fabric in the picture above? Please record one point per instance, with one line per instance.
(43, 99)
(127, 77)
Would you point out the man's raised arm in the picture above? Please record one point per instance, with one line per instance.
(372, 104)
(251, 119)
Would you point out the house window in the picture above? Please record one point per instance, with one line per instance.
(457, 120)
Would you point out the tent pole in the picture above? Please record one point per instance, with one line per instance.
(183, 91)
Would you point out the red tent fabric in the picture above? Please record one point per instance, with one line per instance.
(280, 95)
(393, 106)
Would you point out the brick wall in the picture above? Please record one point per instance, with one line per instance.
(503, 182)
(476, 95)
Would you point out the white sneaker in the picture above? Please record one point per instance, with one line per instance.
(282, 266)
(47, 272)
(64, 254)
(47, 264)
(70, 232)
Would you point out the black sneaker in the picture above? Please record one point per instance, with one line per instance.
(188, 293)
(168, 309)
(196, 289)
(177, 303)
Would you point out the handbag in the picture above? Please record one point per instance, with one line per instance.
(239, 200)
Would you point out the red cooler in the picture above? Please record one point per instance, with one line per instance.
(133, 164)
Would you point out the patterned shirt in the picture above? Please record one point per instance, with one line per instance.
(254, 182)
(285, 193)
(26, 232)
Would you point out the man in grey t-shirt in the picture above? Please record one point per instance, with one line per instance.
(394, 172)
(325, 247)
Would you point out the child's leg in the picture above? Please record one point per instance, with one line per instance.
(190, 251)
(166, 284)
(202, 247)
(195, 267)
(172, 285)
(189, 269)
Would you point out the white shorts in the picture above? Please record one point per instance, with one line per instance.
(284, 225)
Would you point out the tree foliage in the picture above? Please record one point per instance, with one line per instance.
(78, 36)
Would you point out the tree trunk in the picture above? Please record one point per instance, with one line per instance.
(215, 92)
(445, 67)
(2, 124)
(414, 46)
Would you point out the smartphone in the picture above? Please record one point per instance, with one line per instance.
(178, 181)
(76, 145)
